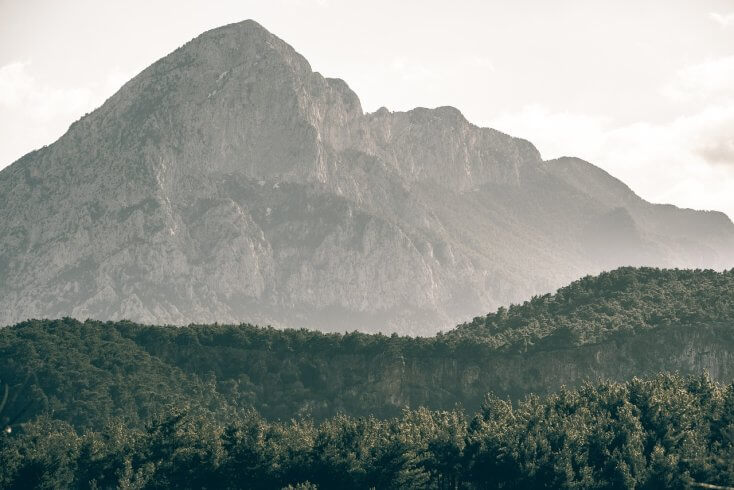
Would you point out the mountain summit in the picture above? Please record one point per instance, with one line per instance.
(229, 182)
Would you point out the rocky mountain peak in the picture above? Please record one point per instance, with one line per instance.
(230, 182)
(210, 100)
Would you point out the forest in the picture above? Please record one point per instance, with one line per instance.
(636, 321)
(624, 301)
(117, 404)
(661, 432)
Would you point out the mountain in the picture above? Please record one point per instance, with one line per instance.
(229, 182)
(621, 324)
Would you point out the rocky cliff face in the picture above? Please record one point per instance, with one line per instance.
(229, 182)
(366, 382)
(394, 383)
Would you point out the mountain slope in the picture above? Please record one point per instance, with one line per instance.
(230, 182)
(626, 301)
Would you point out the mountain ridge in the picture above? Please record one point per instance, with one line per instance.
(230, 182)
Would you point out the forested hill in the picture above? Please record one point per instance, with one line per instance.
(624, 301)
(615, 326)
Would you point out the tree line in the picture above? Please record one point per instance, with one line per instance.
(87, 372)
(661, 432)
(625, 301)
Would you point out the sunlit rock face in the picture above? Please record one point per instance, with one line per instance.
(229, 182)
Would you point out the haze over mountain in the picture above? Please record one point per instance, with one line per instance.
(229, 182)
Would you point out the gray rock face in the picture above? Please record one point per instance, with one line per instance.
(229, 182)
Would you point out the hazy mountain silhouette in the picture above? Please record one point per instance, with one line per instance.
(229, 182)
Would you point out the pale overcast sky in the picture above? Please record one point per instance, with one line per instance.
(644, 89)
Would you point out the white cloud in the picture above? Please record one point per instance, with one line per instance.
(413, 71)
(35, 113)
(724, 20)
(554, 133)
(20, 90)
(306, 3)
(688, 161)
(479, 62)
(711, 79)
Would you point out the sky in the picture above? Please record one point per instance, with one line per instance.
(643, 89)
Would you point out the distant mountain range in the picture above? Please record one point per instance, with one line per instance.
(229, 182)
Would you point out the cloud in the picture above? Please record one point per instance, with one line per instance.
(413, 71)
(712, 134)
(711, 79)
(306, 3)
(35, 112)
(551, 131)
(20, 90)
(687, 161)
(721, 151)
(479, 62)
(710, 85)
(724, 20)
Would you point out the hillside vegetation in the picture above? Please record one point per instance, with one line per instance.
(617, 325)
(593, 309)
(663, 432)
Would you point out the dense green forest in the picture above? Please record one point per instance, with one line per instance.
(651, 320)
(662, 432)
(131, 405)
(621, 302)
